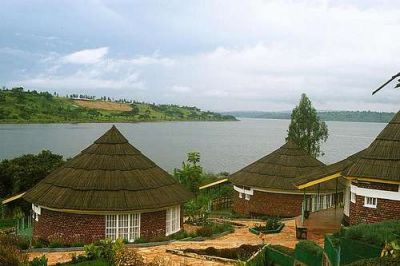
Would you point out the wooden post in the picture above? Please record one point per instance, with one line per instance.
(336, 195)
(303, 207)
(318, 202)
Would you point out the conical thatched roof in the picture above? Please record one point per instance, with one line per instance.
(278, 170)
(381, 160)
(110, 175)
(328, 170)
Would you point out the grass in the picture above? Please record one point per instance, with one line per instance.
(374, 234)
(90, 263)
(19, 106)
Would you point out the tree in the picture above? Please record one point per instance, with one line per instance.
(22, 173)
(306, 129)
(191, 173)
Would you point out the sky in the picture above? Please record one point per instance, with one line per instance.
(217, 55)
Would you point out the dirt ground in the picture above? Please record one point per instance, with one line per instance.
(241, 236)
(109, 106)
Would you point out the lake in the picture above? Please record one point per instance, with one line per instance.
(224, 146)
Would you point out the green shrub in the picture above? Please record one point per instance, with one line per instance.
(140, 240)
(285, 250)
(10, 254)
(39, 261)
(381, 261)
(205, 231)
(56, 244)
(309, 247)
(374, 234)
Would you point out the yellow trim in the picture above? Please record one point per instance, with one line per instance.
(374, 180)
(5, 201)
(214, 183)
(318, 181)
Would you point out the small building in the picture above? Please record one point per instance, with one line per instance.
(109, 190)
(266, 187)
(372, 178)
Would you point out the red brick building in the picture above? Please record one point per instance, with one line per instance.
(266, 187)
(110, 190)
(371, 177)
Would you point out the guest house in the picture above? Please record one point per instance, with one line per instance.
(109, 190)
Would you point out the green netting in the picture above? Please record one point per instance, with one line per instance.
(259, 259)
(308, 258)
(353, 250)
(277, 257)
(330, 250)
(342, 251)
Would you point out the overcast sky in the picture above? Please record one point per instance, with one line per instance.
(217, 55)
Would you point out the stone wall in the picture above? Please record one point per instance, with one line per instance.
(273, 204)
(385, 209)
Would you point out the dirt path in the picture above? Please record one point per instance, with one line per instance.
(241, 236)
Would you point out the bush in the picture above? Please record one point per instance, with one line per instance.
(127, 256)
(39, 261)
(283, 249)
(374, 234)
(309, 247)
(382, 261)
(10, 254)
(104, 249)
(205, 231)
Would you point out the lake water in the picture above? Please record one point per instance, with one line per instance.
(224, 146)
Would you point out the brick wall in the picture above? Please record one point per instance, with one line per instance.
(152, 224)
(69, 228)
(385, 209)
(274, 204)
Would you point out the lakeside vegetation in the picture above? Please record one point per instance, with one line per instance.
(345, 116)
(20, 106)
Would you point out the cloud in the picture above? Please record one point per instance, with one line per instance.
(181, 89)
(230, 55)
(87, 56)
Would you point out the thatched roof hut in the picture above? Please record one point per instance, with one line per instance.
(109, 176)
(278, 170)
(320, 175)
(381, 160)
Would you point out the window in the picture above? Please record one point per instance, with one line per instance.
(370, 202)
(124, 226)
(247, 196)
(173, 224)
(353, 197)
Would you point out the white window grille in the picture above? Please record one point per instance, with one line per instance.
(353, 197)
(240, 195)
(370, 202)
(124, 226)
(247, 196)
(173, 223)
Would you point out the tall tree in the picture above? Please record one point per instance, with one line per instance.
(306, 129)
(191, 173)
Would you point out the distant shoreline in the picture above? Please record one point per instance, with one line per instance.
(105, 122)
(339, 116)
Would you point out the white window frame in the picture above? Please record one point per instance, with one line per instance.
(124, 226)
(173, 220)
(370, 202)
(353, 197)
(247, 196)
(240, 195)
(36, 212)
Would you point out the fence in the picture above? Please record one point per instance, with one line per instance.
(342, 251)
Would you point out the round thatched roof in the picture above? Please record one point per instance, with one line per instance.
(278, 170)
(381, 160)
(110, 175)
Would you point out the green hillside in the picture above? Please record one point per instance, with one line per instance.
(349, 116)
(19, 106)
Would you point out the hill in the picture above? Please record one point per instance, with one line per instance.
(350, 116)
(19, 106)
